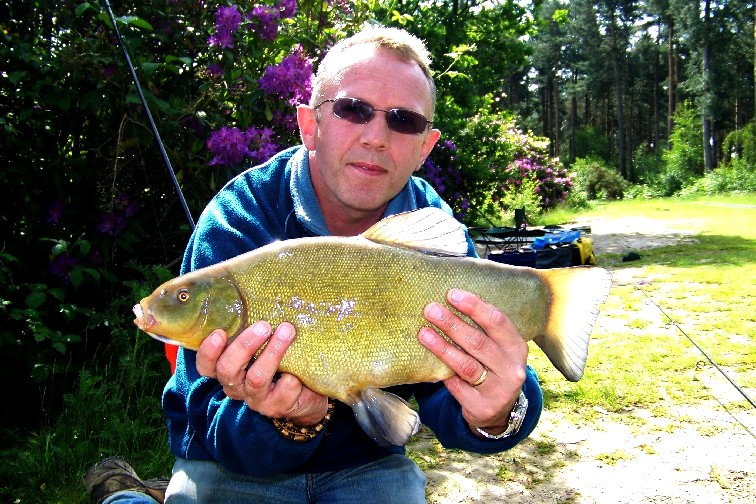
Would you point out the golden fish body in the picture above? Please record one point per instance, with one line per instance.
(357, 305)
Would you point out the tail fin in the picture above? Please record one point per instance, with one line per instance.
(576, 295)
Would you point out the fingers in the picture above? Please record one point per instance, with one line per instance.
(247, 368)
(489, 357)
(209, 352)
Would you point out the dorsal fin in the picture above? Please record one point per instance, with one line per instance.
(427, 230)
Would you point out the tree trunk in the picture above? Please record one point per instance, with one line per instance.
(656, 98)
(573, 118)
(557, 138)
(618, 91)
(671, 79)
(708, 96)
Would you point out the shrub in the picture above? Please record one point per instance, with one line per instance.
(648, 164)
(442, 171)
(598, 181)
(684, 159)
(741, 145)
(739, 175)
(525, 196)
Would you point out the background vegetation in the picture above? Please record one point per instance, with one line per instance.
(544, 105)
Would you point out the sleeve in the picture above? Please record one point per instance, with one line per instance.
(443, 415)
(205, 424)
(202, 422)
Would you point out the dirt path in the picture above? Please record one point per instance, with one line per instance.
(702, 454)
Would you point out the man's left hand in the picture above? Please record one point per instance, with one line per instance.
(495, 348)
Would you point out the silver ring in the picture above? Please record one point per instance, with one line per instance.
(482, 379)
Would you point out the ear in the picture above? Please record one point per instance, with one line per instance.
(428, 143)
(308, 125)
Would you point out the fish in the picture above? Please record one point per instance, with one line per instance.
(357, 305)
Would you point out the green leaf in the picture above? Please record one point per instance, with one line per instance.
(59, 248)
(76, 276)
(135, 21)
(150, 67)
(103, 16)
(183, 59)
(93, 273)
(36, 299)
(58, 293)
(82, 8)
(85, 247)
(15, 77)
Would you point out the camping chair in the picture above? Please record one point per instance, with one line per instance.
(504, 237)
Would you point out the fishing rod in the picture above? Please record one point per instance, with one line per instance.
(153, 126)
(722, 371)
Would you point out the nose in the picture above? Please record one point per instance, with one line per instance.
(375, 134)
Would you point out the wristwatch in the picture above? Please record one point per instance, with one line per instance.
(515, 419)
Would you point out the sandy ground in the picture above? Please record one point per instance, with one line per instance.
(702, 454)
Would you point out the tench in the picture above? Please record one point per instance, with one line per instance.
(357, 305)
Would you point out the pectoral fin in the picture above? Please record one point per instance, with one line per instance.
(387, 418)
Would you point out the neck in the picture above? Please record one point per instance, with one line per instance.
(346, 222)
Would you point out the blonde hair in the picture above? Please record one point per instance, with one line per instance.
(400, 42)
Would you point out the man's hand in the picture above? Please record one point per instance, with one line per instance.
(494, 348)
(252, 380)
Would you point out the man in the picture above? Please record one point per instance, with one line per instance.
(242, 432)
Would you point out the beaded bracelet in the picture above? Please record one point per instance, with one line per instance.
(298, 433)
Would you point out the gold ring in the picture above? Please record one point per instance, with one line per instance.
(483, 378)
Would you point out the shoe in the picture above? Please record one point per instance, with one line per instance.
(113, 475)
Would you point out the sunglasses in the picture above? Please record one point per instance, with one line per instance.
(359, 112)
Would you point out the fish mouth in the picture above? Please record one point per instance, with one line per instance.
(144, 321)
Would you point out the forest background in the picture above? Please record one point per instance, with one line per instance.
(542, 104)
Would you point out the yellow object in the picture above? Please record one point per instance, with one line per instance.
(585, 249)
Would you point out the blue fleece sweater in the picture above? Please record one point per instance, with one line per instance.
(276, 201)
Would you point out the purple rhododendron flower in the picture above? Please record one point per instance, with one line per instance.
(227, 20)
(291, 79)
(228, 146)
(214, 70)
(109, 71)
(266, 22)
(111, 223)
(55, 212)
(61, 266)
(260, 144)
(288, 8)
(127, 206)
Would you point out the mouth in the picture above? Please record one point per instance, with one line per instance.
(143, 321)
(368, 168)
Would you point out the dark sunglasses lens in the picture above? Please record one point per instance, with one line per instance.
(354, 111)
(406, 121)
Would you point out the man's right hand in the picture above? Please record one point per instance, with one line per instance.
(252, 380)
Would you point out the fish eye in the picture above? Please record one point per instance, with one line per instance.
(183, 295)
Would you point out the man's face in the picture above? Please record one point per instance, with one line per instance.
(357, 168)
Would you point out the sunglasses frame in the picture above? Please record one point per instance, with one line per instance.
(394, 113)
